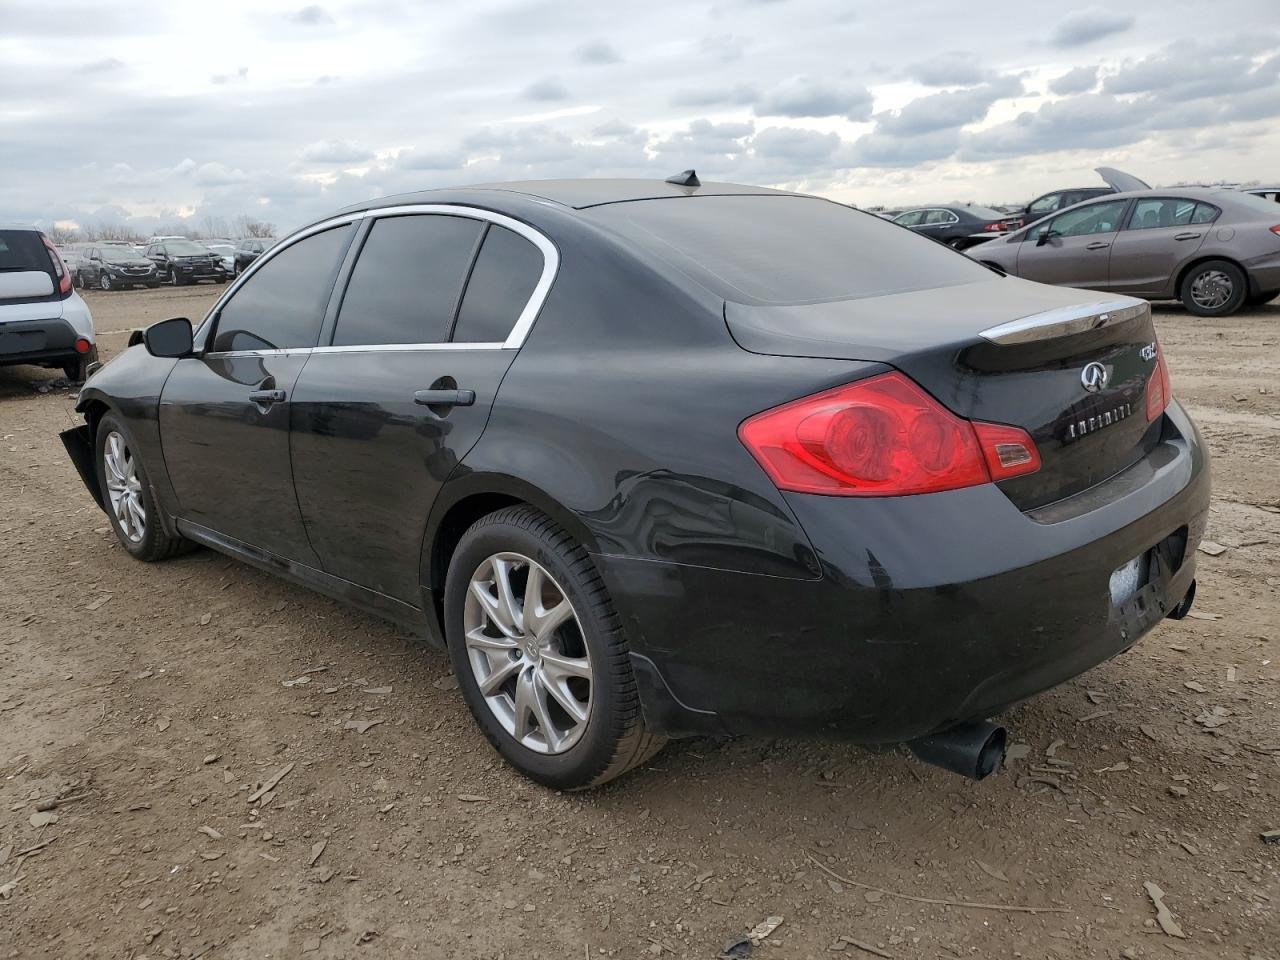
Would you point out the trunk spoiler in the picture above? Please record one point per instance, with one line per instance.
(1065, 321)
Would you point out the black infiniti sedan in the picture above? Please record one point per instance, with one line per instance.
(958, 225)
(653, 459)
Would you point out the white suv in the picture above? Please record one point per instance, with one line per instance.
(42, 319)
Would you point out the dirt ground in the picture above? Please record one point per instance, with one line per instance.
(159, 700)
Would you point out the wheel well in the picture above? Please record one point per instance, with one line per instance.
(1182, 274)
(455, 523)
(93, 413)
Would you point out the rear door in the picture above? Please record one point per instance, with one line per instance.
(384, 412)
(1160, 235)
(1073, 248)
(224, 413)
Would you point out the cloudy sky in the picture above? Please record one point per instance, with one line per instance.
(148, 113)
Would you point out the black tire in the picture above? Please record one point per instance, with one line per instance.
(615, 738)
(174, 279)
(104, 281)
(1222, 274)
(154, 543)
(1266, 296)
(77, 370)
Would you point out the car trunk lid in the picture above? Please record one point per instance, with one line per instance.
(1068, 366)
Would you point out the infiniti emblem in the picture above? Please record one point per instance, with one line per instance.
(1094, 377)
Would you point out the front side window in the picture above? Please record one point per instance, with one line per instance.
(281, 306)
(1085, 221)
(909, 219)
(502, 281)
(406, 284)
(1045, 205)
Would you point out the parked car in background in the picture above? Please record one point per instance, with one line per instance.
(226, 251)
(901, 493)
(71, 256)
(1266, 193)
(1216, 250)
(959, 226)
(43, 321)
(1056, 200)
(116, 267)
(185, 261)
(248, 250)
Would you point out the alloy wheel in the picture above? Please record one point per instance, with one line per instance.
(124, 487)
(104, 282)
(173, 276)
(525, 647)
(1211, 289)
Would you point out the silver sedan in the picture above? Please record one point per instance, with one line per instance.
(1216, 250)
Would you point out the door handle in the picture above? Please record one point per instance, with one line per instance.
(1185, 236)
(267, 397)
(1097, 245)
(445, 398)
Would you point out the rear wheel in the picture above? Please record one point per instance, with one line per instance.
(1215, 288)
(538, 651)
(127, 494)
(77, 370)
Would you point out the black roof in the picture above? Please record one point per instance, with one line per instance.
(580, 194)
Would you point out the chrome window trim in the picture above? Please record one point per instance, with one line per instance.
(1065, 321)
(550, 260)
(516, 337)
(202, 332)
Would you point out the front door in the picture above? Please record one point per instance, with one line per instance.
(1161, 235)
(1074, 248)
(224, 413)
(383, 414)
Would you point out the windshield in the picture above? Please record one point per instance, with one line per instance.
(787, 249)
(119, 254)
(184, 248)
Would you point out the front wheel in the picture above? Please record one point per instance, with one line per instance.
(174, 280)
(127, 494)
(1215, 288)
(539, 654)
(104, 281)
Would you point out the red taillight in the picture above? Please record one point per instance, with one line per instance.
(1159, 390)
(59, 268)
(1276, 229)
(82, 345)
(994, 227)
(882, 437)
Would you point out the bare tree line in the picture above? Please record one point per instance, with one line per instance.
(210, 228)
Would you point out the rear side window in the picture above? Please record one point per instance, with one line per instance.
(1150, 213)
(787, 249)
(406, 284)
(282, 305)
(501, 283)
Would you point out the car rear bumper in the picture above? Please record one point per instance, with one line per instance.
(37, 341)
(931, 609)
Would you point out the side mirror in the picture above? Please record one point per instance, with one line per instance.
(169, 338)
(1047, 236)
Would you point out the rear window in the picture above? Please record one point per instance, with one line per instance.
(22, 250)
(783, 249)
